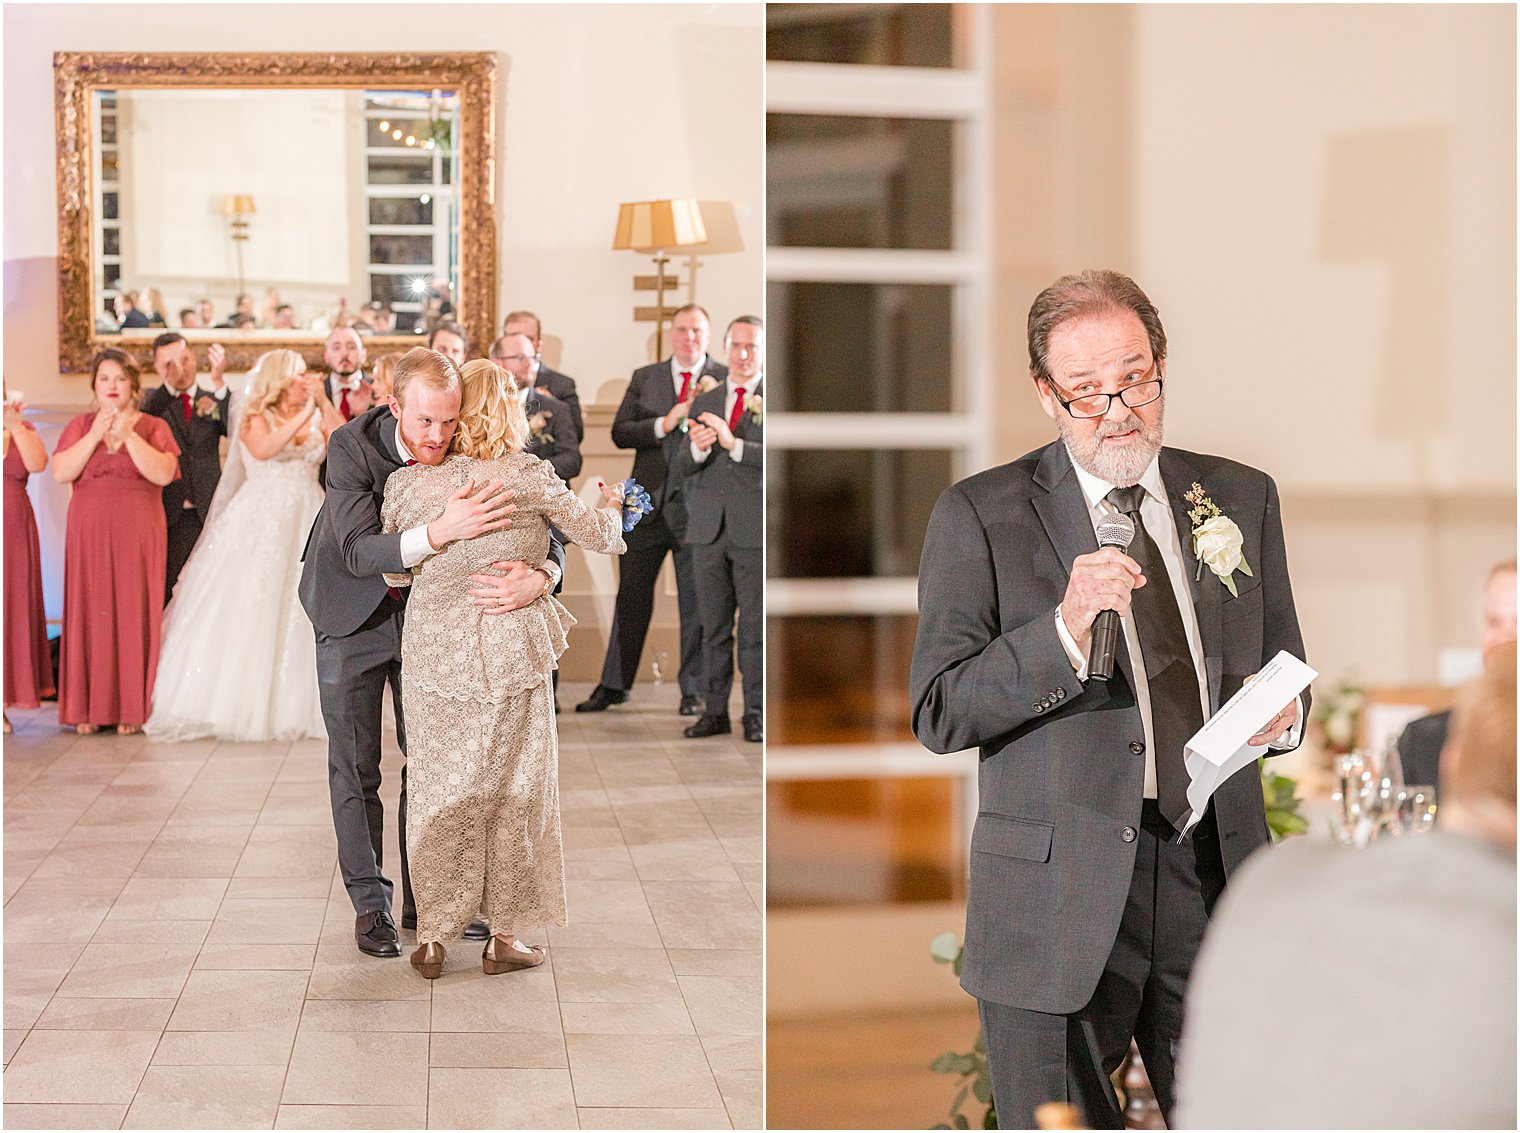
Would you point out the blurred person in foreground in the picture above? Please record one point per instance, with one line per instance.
(1421, 742)
(1372, 988)
(1085, 907)
(483, 829)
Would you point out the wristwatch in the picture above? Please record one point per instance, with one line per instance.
(550, 579)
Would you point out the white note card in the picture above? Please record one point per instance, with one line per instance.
(1219, 748)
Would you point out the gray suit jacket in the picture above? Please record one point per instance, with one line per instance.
(721, 496)
(650, 395)
(1063, 763)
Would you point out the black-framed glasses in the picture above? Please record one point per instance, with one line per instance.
(1092, 405)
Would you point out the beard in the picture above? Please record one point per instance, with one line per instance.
(1119, 467)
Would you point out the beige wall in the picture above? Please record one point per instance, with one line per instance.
(599, 104)
(1321, 202)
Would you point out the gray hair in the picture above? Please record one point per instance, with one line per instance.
(1088, 293)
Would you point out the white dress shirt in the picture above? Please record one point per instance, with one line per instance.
(736, 454)
(676, 370)
(1156, 514)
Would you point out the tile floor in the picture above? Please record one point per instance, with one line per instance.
(179, 948)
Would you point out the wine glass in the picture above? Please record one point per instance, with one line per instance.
(1417, 809)
(1350, 768)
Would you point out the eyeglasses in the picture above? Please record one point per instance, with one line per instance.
(513, 357)
(1092, 405)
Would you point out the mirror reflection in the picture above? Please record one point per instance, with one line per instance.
(218, 210)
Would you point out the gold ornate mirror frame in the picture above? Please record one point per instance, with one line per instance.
(78, 74)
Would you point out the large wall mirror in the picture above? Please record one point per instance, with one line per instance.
(260, 200)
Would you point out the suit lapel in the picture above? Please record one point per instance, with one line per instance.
(1063, 511)
(1208, 594)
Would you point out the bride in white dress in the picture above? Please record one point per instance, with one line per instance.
(237, 660)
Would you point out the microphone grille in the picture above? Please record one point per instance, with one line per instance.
(1116, 530)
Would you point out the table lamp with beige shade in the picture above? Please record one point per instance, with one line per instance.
(656, 228)
(238, 207)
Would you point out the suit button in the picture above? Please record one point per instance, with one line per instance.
(1129, 834)
(1060, 694)
(1047, 702)
(1137, 747)
(1038, 706)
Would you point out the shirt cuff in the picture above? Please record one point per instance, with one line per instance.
(1069, 643)
(415, 546)
(1294, 735)
(551, 568)
(699, 455)
(736, 454)
(221, 394)
(659, 428)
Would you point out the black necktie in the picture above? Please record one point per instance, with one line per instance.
(1175, 711)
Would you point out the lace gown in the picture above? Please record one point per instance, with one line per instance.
(482, 826)
(237, 659)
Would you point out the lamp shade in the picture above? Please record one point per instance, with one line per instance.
(651, 226)
(237, 205)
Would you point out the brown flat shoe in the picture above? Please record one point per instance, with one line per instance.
(498, 956)
(428, 959)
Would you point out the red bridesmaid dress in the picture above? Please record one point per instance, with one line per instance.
(114, 552)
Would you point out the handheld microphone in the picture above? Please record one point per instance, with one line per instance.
(1116, 530)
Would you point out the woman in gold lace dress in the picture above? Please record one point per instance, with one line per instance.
(482, 830)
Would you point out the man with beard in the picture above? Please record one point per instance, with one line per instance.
(344, 354)
(1085, 908)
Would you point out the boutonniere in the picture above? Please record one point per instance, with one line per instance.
(538, 426)
(755, 407)
(1217, 541)
(705, 383)
(208, 406)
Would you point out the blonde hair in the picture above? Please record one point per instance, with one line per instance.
(432, 369)
(273, 374)
(383, 374)
(491, 419)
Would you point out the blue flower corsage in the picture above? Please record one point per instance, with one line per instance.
(636, 504)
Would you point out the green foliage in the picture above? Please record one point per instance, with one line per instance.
(1280, 794)
(971, 1067)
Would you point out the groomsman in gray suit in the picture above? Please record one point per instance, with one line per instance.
(358, 618)
(719, 476)
(1085, 908)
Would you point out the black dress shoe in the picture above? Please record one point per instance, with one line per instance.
(375, 933)
(754, 731)
(601, 699)
(691, 706)
(709, 725)
(477, 931)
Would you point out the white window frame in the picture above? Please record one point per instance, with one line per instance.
(962, 95)
(445, 205)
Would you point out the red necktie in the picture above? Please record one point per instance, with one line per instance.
(184, 401)
(343, 405)
(685, 384)
(733, 418)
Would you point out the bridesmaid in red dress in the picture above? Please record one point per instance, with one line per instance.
(28, 667)
(114, 549)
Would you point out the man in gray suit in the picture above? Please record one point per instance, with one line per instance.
(358, 618)
(1084, 909)
(719, 477)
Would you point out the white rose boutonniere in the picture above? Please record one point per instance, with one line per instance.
(755, 407)
(705, 383)
(208, 406)
(1217, 540)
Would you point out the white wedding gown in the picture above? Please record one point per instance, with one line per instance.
(238, 659)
